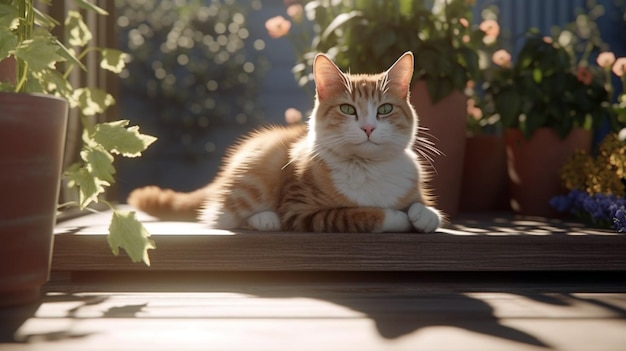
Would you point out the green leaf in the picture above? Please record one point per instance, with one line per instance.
(117, 139)
(537, 75)
(508, 105)
(52, 81)
(91, 100)
(89, 186)
(99, 162)
(8, 42)
(39, 53)
(339, 21)
(113, 60)
(44, 20)
(78, 33)
(91, 7)
(9, 18)
(127, 232)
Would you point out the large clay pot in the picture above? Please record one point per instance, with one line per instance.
(485, 186)
(7, 70)
(533, 167)
(32, 137)
(444, 124)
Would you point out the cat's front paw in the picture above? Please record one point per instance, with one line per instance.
(425, 219)
(264, 221)
(396, 221)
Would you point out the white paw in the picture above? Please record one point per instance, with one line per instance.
(396, 221)
(264, 221)
(425, 219)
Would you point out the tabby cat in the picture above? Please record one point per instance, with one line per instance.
(352, 169)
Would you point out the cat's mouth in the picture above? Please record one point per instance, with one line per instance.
(369, 141)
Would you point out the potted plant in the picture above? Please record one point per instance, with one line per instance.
(366, 36)
(596, 184)
(548, 106)
(33, 116)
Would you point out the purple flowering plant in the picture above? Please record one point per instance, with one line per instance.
(597, 184)
(601, 210)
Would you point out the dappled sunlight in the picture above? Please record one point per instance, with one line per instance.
(510, 224)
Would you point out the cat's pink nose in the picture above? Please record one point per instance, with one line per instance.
(368, 129)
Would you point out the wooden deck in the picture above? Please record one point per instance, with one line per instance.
(489, 282)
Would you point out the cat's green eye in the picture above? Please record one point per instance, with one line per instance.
(385, 109)
(347, 109)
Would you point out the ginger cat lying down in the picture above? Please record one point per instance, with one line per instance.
(351, 169)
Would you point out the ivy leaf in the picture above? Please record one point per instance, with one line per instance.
(113, 60)
(8, 17)
(127, 232)
(98, 162)
(89, 186)
(8, 42)
(78, 33)
(91, 100)
(91, 7)
(53, 81)
(39, 53)
(117, 139)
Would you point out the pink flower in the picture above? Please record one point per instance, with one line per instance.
(606, 59)
(619, 67)
(584, 75)
(491, 28)
(464, 22)
(277, 26)
(473, 111)
(293, 115)
(547, 40)
(295, 12)
(501, 58)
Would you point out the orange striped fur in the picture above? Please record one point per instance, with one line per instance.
(351, 169)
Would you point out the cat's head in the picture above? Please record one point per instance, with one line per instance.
(364, 115)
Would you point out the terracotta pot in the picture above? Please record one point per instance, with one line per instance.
(533, 167)
(444, 124)
(485, 186)
(7, 70)
(32, 137)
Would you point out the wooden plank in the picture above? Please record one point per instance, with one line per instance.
(472, 243)
(232, 321)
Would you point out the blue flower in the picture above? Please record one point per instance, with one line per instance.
(619, 218)
(599, 209)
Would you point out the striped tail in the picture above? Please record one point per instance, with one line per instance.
(167, 204)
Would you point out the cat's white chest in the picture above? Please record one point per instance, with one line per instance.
(380, 184)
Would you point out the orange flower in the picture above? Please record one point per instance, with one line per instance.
(277, 26)
(584, 75)
(619, 67)
(491, 28)
(501, 58)
(606, 59)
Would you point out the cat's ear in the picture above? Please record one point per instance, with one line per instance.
(400, 74)
(329, 80)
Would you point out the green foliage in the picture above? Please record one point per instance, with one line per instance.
(193, 69)
(128, 233)
(542, 89)
(368, 36)
(43, 66)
